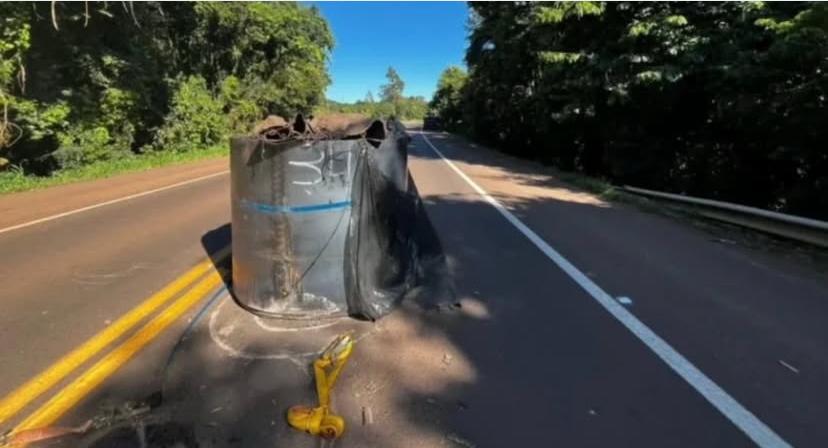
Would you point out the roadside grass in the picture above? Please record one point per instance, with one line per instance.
(15, 181)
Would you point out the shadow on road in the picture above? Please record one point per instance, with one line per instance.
(216, 241)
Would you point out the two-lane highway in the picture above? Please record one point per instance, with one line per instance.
(583, 323)
(77, 258)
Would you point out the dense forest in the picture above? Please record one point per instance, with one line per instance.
(720, 100)
(392, 101)
(91, 81)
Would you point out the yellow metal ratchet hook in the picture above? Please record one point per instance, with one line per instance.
(320, 421)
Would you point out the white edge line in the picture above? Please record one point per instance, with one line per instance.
(748, 423)
(110, 202)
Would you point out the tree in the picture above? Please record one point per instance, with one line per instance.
(392, 92)
(723, 100)
(278, 51)
(408, 108)
(446, 102)
(112, 82)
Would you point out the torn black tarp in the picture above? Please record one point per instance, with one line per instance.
(327, 221)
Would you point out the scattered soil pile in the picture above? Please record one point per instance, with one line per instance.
(330, 126)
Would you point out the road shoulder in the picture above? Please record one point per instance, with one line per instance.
(19, 208)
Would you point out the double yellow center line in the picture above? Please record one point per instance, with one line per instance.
(70, 395)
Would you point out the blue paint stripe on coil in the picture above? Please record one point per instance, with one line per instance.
(294, 209)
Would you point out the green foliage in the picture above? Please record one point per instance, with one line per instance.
(196, 119)
(163, 76)
(411, 108)
(393, 102)
(83, 145)
(562, 11)
(15, 39)
(447, 100)
(241, 110)
(407, 108)
(559, 57)
(722, 99)
(39, 121)
(278, 51)
(392, 91)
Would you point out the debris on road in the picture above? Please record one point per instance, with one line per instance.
(372, 387)
(271, 122)
(319, 420)
(330, 126)
(789, 367)
(43, 434)
(367, 416)
(457, 440)
(127, 412)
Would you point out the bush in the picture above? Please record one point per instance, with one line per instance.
(99, 88)
(196, 119)
(725, 100)
(242, 112)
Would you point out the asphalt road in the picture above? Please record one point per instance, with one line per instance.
(583, 323)
(66, 279)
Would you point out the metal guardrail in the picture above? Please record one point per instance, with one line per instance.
(794, 227)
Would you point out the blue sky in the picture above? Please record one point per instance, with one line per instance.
(418, 39)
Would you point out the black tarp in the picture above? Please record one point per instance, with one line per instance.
(327, 221)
